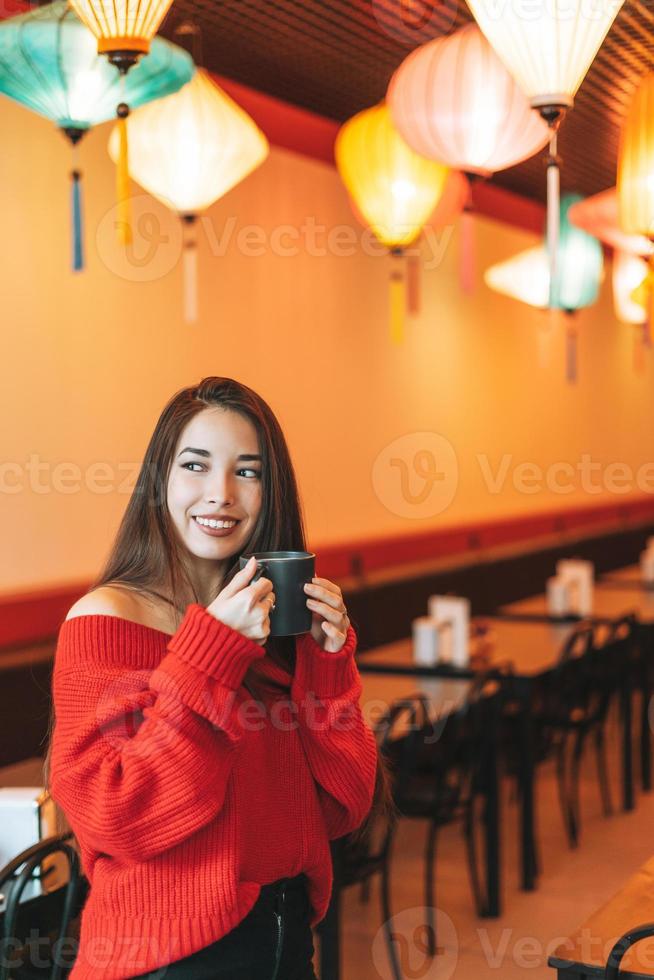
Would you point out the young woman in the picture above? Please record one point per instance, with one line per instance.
(202, 765)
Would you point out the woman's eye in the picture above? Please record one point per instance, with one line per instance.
(253, 473)
(185, 465)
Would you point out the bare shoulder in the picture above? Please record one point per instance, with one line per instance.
(108, 600)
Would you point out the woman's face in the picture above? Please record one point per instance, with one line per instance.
(215, 476)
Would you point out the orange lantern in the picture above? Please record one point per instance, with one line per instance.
(599, 216)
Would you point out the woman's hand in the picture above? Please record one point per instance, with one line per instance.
(330, 621)
(246, 607)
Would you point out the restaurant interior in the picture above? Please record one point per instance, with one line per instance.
(423, 232)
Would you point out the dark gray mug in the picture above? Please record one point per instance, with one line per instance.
(288, 571)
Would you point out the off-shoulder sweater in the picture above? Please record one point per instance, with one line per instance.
(185, 793)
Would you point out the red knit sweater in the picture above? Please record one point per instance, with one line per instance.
(185, 794)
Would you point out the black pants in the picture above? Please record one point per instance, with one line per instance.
(273, 942)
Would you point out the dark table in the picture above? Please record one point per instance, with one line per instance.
(532, 649)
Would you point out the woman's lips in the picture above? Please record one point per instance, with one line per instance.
(216, 532)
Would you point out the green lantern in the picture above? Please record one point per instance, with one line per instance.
(49, 63)
(578, 270)
(579, 264)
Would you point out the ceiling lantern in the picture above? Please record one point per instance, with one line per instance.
(636, 162)
(579, 264)
(629, 274)
(525, 277)
(49, 63)
(579, 269)
(636, 173)
(453, 100)
(548, 50)
(188, 150)
(599, 216)
(123, 28)
(393, 188)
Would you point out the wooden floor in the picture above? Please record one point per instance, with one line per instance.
(516, 947)
(573, 884)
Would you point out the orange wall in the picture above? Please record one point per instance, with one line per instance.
(89, 360)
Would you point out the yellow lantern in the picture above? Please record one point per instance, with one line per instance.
(123, 28)
(188, 150)
(393, 188)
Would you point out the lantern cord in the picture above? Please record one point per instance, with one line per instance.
(124, 225)
(397, 296)
(570, 352)
(553, 196)
(467, 255)
(413, 281)
(190, 270)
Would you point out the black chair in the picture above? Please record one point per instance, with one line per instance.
(46, 917)
(441, 775)
(568, 706)
(359, 857)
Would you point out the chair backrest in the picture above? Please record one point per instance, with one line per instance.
(612, 970)
(14, 878)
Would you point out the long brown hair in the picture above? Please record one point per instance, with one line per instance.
(146, 551)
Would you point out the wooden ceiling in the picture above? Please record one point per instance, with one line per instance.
(336, 57)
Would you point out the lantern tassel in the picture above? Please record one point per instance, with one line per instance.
(553, 206)
(571, 353)
(124, 226)
(467, 253)
(649, 317)
(413, 283)
(76, 220)
(190, 273)
(397, 297)
(639, 349)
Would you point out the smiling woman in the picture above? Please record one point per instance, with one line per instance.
(215, 829)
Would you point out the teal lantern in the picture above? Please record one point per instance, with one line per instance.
(49, 63)
(578, 271)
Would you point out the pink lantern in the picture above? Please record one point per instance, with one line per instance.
(599, 216)
(453, 100)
